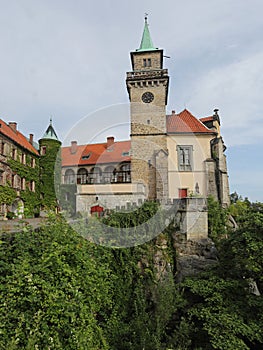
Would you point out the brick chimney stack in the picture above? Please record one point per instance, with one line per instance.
(74, 147)
(13, 126)
(31, 137)
(110, 141)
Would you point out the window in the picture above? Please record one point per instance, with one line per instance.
(23, 158)
(33, 162)
(86, 156)
(95, 175)
(3, 148)
(125, 154)
(32, 186)
(23, 184)
(13, 181)
(43, 150)
(185, 158)
(2, 181)
(82, 176)
(69, 177)
(147, 62)
(14, 153)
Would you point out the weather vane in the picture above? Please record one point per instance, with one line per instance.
(146, 16)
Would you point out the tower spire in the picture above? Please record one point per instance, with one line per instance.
(50, 132)
(146, 42)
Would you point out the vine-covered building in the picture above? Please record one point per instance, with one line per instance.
(26, 171)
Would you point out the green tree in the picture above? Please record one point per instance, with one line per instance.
(54, 285)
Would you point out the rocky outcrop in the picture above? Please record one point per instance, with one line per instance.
(193, 257)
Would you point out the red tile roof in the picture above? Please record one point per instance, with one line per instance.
(206, 119)
(97, 154)
(16, 137)
(92, 154)
(185, 122)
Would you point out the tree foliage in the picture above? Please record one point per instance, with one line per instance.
(60, 291)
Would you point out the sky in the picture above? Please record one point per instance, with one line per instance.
(68, 60)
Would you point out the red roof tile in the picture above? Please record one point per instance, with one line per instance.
(16, 137)
(97, 154)
(185, 122)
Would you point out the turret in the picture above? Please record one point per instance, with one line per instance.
(50, 167)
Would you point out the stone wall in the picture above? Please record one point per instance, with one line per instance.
(192, 218)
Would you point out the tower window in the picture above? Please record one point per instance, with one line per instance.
(147, 62)
(43, 150)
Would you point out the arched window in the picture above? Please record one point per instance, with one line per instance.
(109, 174)
(95, 175)
(125, 172)
(69, 177)
(82, 176)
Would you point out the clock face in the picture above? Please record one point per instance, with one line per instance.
(147, 97)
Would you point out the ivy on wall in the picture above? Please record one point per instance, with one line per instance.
(7, 195)
(50, 172)
(30, 198)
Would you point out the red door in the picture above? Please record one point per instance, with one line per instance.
(97, 210)
(182, 192)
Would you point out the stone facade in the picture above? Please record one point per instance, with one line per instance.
(148, 122)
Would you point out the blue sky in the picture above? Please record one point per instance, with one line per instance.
(68, 59)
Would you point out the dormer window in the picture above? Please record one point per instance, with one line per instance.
(86, 156)
(125, 154)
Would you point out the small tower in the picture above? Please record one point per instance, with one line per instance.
(50, 167)
(147, 87)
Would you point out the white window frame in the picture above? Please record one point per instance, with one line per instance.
(185, 157)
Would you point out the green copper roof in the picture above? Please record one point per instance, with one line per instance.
(146, 43)
(50, 133)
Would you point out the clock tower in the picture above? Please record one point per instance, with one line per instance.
(147, 86)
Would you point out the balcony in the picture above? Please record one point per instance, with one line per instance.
(99, 178)
(157, 73)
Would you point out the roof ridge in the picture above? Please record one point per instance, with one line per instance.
(17, 137)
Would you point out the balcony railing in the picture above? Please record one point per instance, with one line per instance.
(147, 74)
(97, 178)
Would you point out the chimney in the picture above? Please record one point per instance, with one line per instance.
(173, 112)
(13, 126)
(74, 147)
(110, 141)
(31, 136)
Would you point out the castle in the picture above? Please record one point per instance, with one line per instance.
(168, 157)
